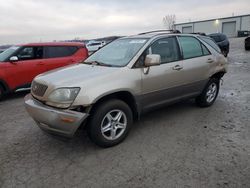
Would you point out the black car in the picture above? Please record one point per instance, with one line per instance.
(222, 41)
(247, 43)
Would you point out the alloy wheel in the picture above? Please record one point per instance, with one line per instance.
(114, 124)
(211, 92)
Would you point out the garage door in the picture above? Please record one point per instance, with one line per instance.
(187, 29)
(229, 29)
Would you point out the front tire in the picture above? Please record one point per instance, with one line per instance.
(110, 123)
(209, 94)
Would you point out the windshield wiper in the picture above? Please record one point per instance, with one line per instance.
(97, 63)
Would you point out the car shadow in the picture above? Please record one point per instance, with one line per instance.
(17, 95)
(81, 143)
(152, 116)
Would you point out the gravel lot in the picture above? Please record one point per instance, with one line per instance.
(177, 146)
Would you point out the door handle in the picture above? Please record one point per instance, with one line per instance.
(209, 60)
(177, 67)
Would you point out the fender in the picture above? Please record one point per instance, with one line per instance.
(126, 96)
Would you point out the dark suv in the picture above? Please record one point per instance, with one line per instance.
(222, 42)
(247, 43)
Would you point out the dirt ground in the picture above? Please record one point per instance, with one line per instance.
(177, 146)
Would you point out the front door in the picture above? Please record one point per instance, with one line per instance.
(162, 84)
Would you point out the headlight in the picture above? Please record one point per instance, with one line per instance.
(63, 97)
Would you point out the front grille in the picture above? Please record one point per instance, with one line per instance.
(38, 89)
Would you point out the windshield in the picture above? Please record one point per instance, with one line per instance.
(117, 53)
(7, 53)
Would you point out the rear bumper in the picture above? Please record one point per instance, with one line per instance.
(52, 120)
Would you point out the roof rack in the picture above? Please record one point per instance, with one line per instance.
(161, 31)
(199, 33)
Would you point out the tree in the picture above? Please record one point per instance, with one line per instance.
(169, 21)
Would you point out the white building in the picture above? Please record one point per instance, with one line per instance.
(229, 25)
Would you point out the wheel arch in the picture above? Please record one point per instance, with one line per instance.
(4, 86)
(124, 96)
(218, 75)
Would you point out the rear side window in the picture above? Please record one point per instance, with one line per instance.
(205, 50)
(191, 47)
(210, 42)
(59, 51)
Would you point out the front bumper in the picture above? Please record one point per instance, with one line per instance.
(61, 122)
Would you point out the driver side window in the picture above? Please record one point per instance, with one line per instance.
(167, 48)
(29, 53)
(26, 53)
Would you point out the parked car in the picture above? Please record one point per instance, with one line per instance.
(1, 50)
(95, 45)
(222, 41)
(123, 80)
(20, 64)
(247, 43)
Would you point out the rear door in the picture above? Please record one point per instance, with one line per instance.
(59, 56)
(162, 83)
(197, 61)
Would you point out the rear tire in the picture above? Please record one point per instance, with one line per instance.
(225, 53)
(209, 94)
(1, 92)
(110, 123)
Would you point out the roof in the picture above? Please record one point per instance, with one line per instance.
(212, 19)
(54, 44)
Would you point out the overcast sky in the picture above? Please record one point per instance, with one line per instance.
(46, 20)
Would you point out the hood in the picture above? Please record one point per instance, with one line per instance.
(72, 75)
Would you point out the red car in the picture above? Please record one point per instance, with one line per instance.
(20, 64)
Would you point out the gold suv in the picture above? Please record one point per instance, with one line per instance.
(124, 79)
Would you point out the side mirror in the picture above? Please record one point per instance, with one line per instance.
(13, 59)
(152, 60)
